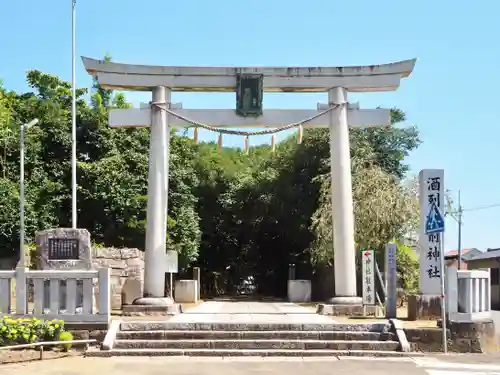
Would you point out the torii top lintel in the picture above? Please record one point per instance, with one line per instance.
(130, 77)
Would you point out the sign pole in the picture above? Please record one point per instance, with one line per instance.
(171, 266)
(443, 292)
(171, 285)
(435, 225)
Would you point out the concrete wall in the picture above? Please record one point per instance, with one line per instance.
(483, 263)
(495, 288)
(495, 297)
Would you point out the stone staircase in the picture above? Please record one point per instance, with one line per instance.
(249, 339)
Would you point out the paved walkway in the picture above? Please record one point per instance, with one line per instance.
(261, 312)
(495, 315)
(252, 366)
(472, 364)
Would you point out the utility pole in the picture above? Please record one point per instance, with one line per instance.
(457, 216)
(459, 219)
(73, 116)
(460, 212)
(22, 254)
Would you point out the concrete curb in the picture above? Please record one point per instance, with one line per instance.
(401, 335)
(110, 338)
(197, 353)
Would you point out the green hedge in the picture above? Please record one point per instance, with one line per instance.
(28, 330)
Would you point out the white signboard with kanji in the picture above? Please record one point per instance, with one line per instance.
(368, 268)
(171, 262)
(432, 208)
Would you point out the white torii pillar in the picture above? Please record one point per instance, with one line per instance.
(344, 255)
(335, 80)
(157, 206)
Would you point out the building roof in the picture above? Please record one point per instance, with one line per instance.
(466, 253)
(490, 254)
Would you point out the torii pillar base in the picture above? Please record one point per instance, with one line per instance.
(346, 306)
(151, 306)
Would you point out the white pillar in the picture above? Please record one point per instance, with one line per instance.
(156, 225)
(342, 206)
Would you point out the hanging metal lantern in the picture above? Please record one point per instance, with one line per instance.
(220, 142)
(300, 134)
(247, 145)
(195, 137)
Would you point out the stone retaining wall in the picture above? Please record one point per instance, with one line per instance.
(89, 334)
(424, 307)
(126, 264)
(8, 263)
(463, 337)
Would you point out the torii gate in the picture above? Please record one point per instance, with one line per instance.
(249, 83)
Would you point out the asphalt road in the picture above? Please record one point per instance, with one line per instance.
(431, 365)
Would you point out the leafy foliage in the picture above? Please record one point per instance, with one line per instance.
(384, 210)
(28, 330)
(112, 170)
(65, 336)
(407, 271)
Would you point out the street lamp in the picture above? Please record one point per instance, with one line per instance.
(22, 259)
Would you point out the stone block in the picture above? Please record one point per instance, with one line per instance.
(186, 291)
(118, 264)
(132, 254)
(424, 339)
(197, 277)
(481, 335)
(131, 290)
(346, 310)
(144, 310)
(125, 264)
(424, 307)
(299, 290)
(134, 262)
(132, 271)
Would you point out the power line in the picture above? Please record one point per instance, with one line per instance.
(452, 213)
(459, 220)
(482, 207)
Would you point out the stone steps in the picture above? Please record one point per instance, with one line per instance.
(246, 353)
(167, 338)
(258, 344)
(177, 326)
(255, 335)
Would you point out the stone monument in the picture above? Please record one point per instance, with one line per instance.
(63, 248)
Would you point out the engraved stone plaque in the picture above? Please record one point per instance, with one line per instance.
(63, 248)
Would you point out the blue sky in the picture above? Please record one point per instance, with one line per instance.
(451, 95)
